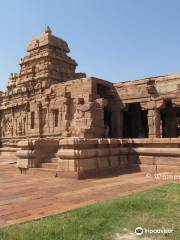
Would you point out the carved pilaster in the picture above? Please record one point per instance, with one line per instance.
(154, 120)
(39, 117)
(117, 120)
(154, 117)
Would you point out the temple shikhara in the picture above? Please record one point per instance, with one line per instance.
(57, 121)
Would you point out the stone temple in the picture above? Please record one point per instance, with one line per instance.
(56, 121)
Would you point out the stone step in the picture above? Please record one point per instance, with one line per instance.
(53, 155)
(49, 165)
(8, 162)
(9, 145)
(51, 173)
(8, 149)
(8, 155)
(155, 168)
(53, 160)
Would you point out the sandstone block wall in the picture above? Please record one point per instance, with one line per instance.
(47, 101)
(48, 98)
(34, 152)
(96, 156)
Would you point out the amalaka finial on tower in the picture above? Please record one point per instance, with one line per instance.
(48, 30)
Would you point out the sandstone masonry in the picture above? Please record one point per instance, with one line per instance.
(48, 103)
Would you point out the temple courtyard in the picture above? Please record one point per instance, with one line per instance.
(27, 197)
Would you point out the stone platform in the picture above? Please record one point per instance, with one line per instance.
(84, 158)
(27, 197)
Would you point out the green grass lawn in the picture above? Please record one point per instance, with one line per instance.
(155, 208)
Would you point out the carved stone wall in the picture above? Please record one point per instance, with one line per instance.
(48, 98)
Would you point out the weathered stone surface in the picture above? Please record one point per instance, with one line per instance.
(75, 153)
(59, 119)
(23, 163)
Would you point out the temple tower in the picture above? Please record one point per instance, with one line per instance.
(47, 63)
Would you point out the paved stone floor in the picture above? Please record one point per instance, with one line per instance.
(27, 197)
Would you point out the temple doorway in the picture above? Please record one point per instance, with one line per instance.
(170, 121)
(105, 92)
(135, 122)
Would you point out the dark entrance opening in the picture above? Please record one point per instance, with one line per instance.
(178, 121)
(145, 123)
(106, 93)
(135, 122)
(169, 120)
(107, 123)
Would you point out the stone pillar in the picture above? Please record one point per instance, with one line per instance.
(51, 121)
(39, 118)
(45, 118)
(116, 120)
(35, 108)
(13, 123)
(154, 120)
(117, 124)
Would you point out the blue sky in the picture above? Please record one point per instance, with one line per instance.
(116, 40)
